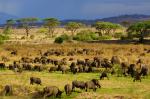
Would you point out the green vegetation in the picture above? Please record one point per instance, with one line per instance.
(106, 28)
(115, 86)
(73, 27)
(51, 24)
(85, 36)
(27, 24)
(139, 30)
(62, 38)
(3, 38)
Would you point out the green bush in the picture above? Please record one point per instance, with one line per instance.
(85, 35)
(42, 30)
(65, 37)
(118, 35)
(3, 38)
(105, 37)
(32, 37)
(59, 40)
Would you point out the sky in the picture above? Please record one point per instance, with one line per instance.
(74, 9)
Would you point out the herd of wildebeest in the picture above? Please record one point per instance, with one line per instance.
(73, 66)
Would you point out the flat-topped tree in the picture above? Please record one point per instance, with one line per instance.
(139, 30)
(27, 23)
(10, 23)
(73, 27)
(51, 24)
(105, 28)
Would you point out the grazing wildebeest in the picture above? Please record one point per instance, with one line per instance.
(52, 91)
(137, 77)
(93, 84)
(8, 90)
(2, 65)
(38, 68)
(78, 84)
(115, 60)
(131, 70)
(35, 80)
(144, 70)
(14, 52)
(54, 68)
(68, 89)
(103, 75)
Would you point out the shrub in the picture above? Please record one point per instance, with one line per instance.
(3, 38)
(59, 40)
(42, 30)
(65, 37)
(85, 35)
(32, 37)
(105, 37)
(118, 35)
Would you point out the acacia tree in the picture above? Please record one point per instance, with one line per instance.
(73, 27)
(51, 24)
(27, 23)
(140, 30)
(104, 28)
(9, 26)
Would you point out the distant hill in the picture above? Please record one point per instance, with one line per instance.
(5, 16)
(116, 19)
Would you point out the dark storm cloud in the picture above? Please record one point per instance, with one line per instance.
(76, 9)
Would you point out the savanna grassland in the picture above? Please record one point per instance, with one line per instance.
(114, 88)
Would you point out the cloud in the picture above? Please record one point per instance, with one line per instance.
(110, 9)
(10, 7)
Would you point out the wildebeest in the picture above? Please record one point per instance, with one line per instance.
(14, 52)
(137, 77)
(103, 75)
(68, 89)
(35, 80)
(52, 91)
(144, 70)
(115, 60)
(38, 68)
(78, 84)
(131, 70)
(93, 84)
(8, 90)
(2, 65)
(54, 68)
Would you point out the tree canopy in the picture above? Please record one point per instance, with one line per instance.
(140, 30)
(27, 23)
(51, 24)
(106, 27)
(73, 26)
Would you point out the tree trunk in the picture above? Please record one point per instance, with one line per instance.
(27, 32)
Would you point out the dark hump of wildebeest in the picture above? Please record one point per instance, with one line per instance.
(35, 80)
(144, 70)
(115, 60)
(103, 75)
(131, 70)
(78, 84)
(68, 89)
(137, 76)
(52, 91)
(8, 90)
(2, 65)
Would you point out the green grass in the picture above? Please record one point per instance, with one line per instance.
(116, 86)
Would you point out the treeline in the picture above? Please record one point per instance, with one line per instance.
(103, 29)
